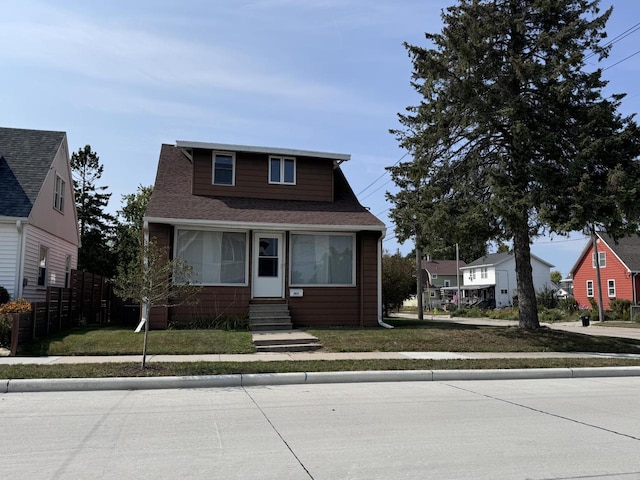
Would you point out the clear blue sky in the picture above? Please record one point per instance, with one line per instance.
(328, 75)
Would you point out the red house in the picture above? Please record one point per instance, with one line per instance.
(267, 229)
(619, 271)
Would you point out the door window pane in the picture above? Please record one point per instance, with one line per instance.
(267, 257)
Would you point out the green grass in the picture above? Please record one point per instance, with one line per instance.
(124, 341)
(105, 370)
(434, 336)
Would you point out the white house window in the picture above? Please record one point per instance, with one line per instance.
(434, 276)
(322, 259)
(602, 257)
(483, 272)
(589, 288)
(447, 283)
(611, 287)
(42, 266)
(282, 170)
(224, 168)
(217, 258)
(474, 274)
(58, 194)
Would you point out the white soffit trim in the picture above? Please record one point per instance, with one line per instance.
(342, 157)
(178, 222)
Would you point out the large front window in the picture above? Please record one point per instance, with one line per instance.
(322, 259)
(217, 258)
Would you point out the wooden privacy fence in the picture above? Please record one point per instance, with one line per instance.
(89, 301)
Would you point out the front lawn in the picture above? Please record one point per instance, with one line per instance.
(124, 341)
(434, 336)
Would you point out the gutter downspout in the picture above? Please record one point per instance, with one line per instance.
(17, 291)
(380, 321)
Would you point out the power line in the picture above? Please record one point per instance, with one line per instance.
(623, 60)
(383, 174)
(617, 38)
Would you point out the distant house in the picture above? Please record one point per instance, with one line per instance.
(619, 271)
(441, 280)
(494, 277)
(267, 228)
(38, 221)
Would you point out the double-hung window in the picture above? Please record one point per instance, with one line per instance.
(602, 258)
(322, 259)
(483, 272)
(282, 170)
(223, 168)
(58, 194)
(217, 258)
(611, 288)
(589, 288)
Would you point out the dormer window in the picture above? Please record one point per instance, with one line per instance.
(282, 170)
(223, 168)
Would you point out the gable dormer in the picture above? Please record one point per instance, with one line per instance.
(221, 170)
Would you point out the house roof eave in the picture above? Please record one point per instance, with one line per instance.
(185, 222)
(340, 157)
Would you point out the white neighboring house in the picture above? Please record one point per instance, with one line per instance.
(494, 277)
(39, 236)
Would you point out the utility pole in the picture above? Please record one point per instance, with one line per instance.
(419, 277)
(458, 273)
(594, 240)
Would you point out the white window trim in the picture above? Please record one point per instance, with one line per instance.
(282, 159)
(592, 289)
(483, 272)
(233, 168)
(354, 273)
(447, 283)
(602, 257)
(223, 230)
(58, 196)
(609, 287)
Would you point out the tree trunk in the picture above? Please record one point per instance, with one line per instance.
(528, 308)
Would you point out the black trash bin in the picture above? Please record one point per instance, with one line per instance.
(585, 320)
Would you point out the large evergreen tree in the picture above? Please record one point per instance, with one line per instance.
(96, 226)
(512, 135)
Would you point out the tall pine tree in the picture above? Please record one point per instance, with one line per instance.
(96, 226)
(512, 136)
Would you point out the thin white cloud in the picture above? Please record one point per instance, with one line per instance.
(104, 53)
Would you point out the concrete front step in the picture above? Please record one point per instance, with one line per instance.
(268, 326)
(285, 341)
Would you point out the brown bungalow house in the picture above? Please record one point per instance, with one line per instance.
(267, 226)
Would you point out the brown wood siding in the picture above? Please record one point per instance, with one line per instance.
(214, 301)
(343, 306)
(314, 178)
(613, 270)
(163, 236)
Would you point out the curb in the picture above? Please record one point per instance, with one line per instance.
(267, 379)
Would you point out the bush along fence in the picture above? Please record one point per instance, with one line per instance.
(89, 301)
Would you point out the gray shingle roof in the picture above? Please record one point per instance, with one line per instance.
(25, 158)
(172, 199)
(627, 249)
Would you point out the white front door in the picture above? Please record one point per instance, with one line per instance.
(268, 265)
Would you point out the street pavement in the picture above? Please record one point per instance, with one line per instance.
(587, 428)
